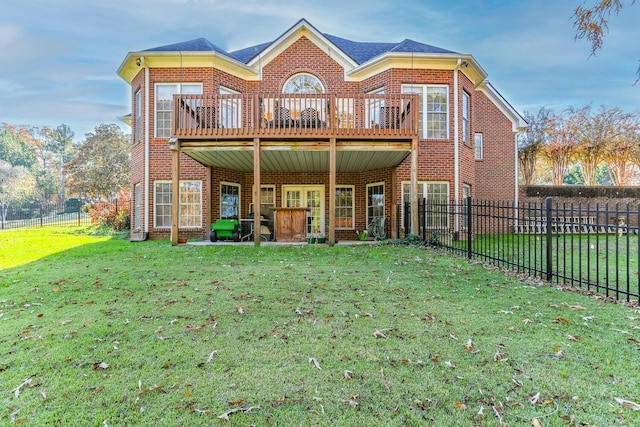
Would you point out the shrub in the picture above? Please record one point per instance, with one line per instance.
(114, 213)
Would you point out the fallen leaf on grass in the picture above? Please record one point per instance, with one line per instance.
(315, 362)
(100, 365)
(627, 404)
(535, 422)
(210, 358)
(560, 320)
(226, 415)
(16, 391)
(240, 309)
(347, 375)
(450, 364)
(535, 399)
(379, 334)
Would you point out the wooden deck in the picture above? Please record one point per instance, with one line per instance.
(309, 116)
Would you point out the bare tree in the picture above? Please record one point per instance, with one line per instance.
(561, 144)
(531, 142)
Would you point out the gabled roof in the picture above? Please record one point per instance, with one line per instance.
(359, 52)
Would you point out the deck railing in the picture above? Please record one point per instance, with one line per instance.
(282, 115)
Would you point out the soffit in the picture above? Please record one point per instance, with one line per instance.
(129, 68)
(419, 61)
(299, 161)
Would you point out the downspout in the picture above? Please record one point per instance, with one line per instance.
(456, 149)
(146, 149)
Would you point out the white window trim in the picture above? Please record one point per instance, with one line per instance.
(284, 86)
(155, 100)
(155, 205)
(180, 210)
(481, 145)
(466, 118)
(425, 113)
(424, 185)
(138, 117)
(231, 184)
(353, 208)
(137, 219)
(384, 201)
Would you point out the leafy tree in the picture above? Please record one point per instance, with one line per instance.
(16, 185)
(60, 142)
(560, 148)
(573, 176)
(623, 149)
(592, 22)
(15, 150)
(595, 130)
(102, 163)
(531, 142)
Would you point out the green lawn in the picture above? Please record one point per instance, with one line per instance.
(591, 259)
(98, 331)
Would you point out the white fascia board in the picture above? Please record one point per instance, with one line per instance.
(303, 28)
(418, 61)
(128, 69)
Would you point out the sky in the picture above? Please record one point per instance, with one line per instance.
(58, 59)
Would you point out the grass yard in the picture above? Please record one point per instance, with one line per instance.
(592, 259)
(97, 331)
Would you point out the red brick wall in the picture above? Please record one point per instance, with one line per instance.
(492, 178)
(495, 175)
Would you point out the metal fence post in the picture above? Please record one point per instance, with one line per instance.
(469, 233)
(549, 246)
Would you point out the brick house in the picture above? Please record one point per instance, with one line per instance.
(342, 131)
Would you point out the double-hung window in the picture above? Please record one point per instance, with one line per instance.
(344, 207)
(436, 195)
(375, 201)
(433, 119)
(190, 210)
(138, 117)
(466, 125)
(230, 108)
(164, 104)
(229, 200)
(479, 146)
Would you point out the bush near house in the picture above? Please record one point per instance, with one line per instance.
(114, 213)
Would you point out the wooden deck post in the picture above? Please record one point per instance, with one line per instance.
(257, 224)
(174, 146)
(332, 191)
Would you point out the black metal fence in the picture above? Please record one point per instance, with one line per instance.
(74, 212)
(590, 246)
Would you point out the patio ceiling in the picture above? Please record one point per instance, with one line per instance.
(298, 160)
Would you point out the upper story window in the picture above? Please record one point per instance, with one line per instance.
(164, 104)
(466, 128)
(303, 83)
(138, 117)
(433, 109)
(479, 146)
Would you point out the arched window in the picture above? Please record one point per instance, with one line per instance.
(303, 83)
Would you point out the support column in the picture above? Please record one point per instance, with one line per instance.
(256, 192)
(415, 217)
(332, 191)
(174, 146)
